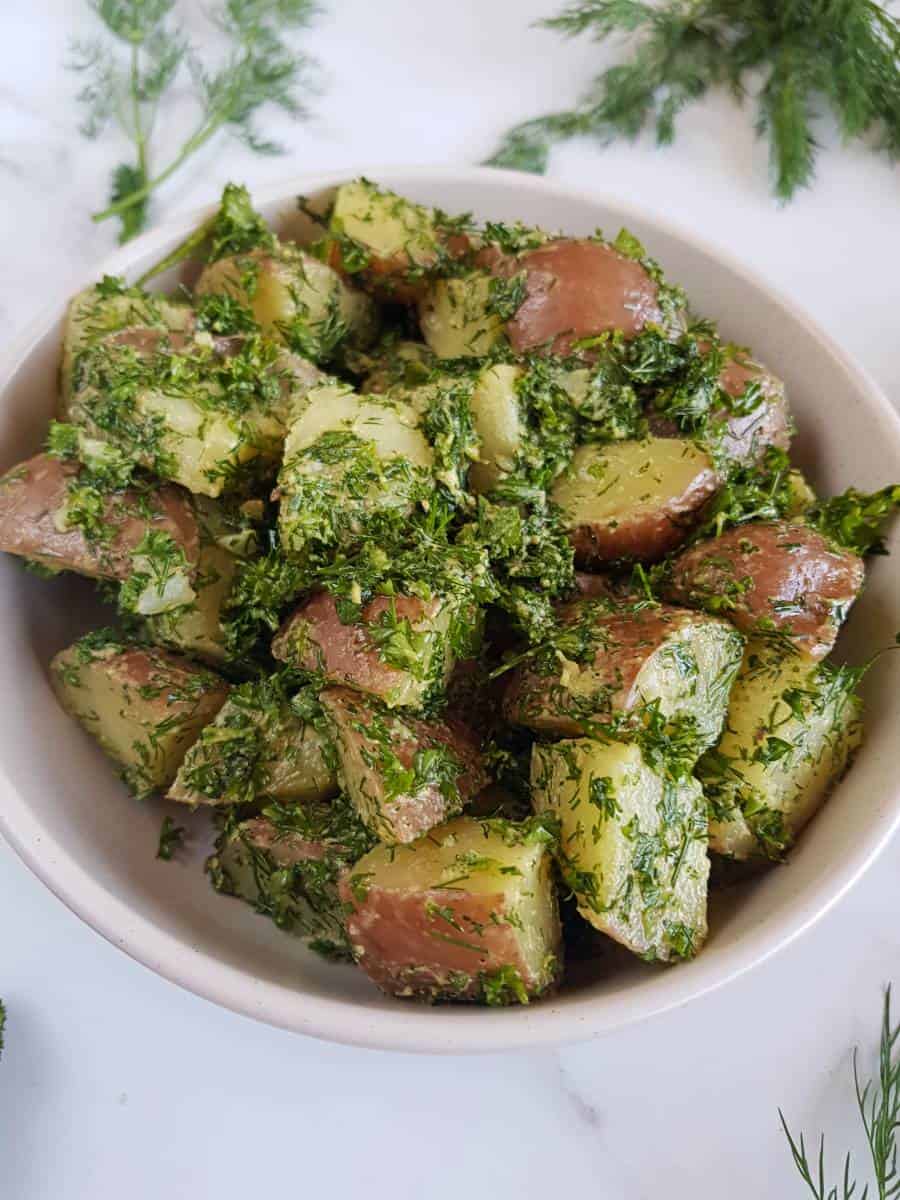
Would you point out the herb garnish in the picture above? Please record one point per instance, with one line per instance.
(128, 77)
(171, 839)
(810, 54)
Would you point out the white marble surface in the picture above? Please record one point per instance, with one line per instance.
(114, 1083)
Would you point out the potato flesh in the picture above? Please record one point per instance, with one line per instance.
(632, 847)
(657, 656)
(403, 775)
(314, 499)
(393, 230)
(773, 768)
(455, 319)
(196, 628)
(455, 912)
(255, 749)
(633, 499)
(144, 707)
(294, 297)
(495, 414)
(315, 639)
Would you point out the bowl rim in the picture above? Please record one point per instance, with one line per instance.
(401, 1027)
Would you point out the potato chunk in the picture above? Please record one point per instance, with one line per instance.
(404, 775)
(145, 707)
(498, 423)
(196, 627)
(747, 435)
(467, 913)
(347, 458)
(634, 499)
(632, 844)
(576, 289)
(286, 864)
(456, 316)
(109, 307)
(621, 660)
(400, 648)
(296, 298)
(792, 728)
(52, 513)
(388, 242)
(778, 575)
(193, 410)
(261, 744)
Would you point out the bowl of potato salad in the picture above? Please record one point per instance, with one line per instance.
(444, 609)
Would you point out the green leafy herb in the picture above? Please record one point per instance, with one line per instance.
(854, 519)
(879, 1109)
(809, 53)
(128, 75)
(171, 838)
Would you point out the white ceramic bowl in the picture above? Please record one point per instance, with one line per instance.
(71, 821)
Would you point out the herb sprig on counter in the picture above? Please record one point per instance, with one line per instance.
(131, 72)
(879, 1109)
(809, 55)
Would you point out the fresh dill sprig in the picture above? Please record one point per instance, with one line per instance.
(171, 838)
(127, 75)
(809, 55)
(879, 1109)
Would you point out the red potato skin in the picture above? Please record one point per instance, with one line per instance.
(33, 493)
(408, 816)
(345, 654)
(285, 851)
(746, 437)
(396, 939)
(166, 673)
(625, 641)
(576, 289)
(752, 573)
(647, 536)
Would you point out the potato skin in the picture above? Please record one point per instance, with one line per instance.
(315, 639)
(624, 642)
(578, 288)
(374, 746)
(33, 497)
(417, 938)
(774, 574)
(646, 526)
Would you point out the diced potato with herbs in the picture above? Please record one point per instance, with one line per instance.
(776, 575)
(792, 728)
(144, 706)
(196, 627)
(404, 775)
(262, 743)
(396, 364)
(632, 844)
(609, 659)
(633, 499)
(109, 307)
(347, 458)
(399, 648)
(286, 864)
(495, 413)
(296, 298)
(388, 241)
(467, 913)
(457, 317)
(195, 410)
(59, 514)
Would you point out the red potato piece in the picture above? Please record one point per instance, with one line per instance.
(467, 913)
(628, 658)
(32, 521)
(578, 288)
(772, 575)
(633, 499)
(403, 775)
(144, 706)
(315, 639)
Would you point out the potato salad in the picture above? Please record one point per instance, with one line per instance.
(459, 571)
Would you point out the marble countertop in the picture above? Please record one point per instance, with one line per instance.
(113, 1081)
